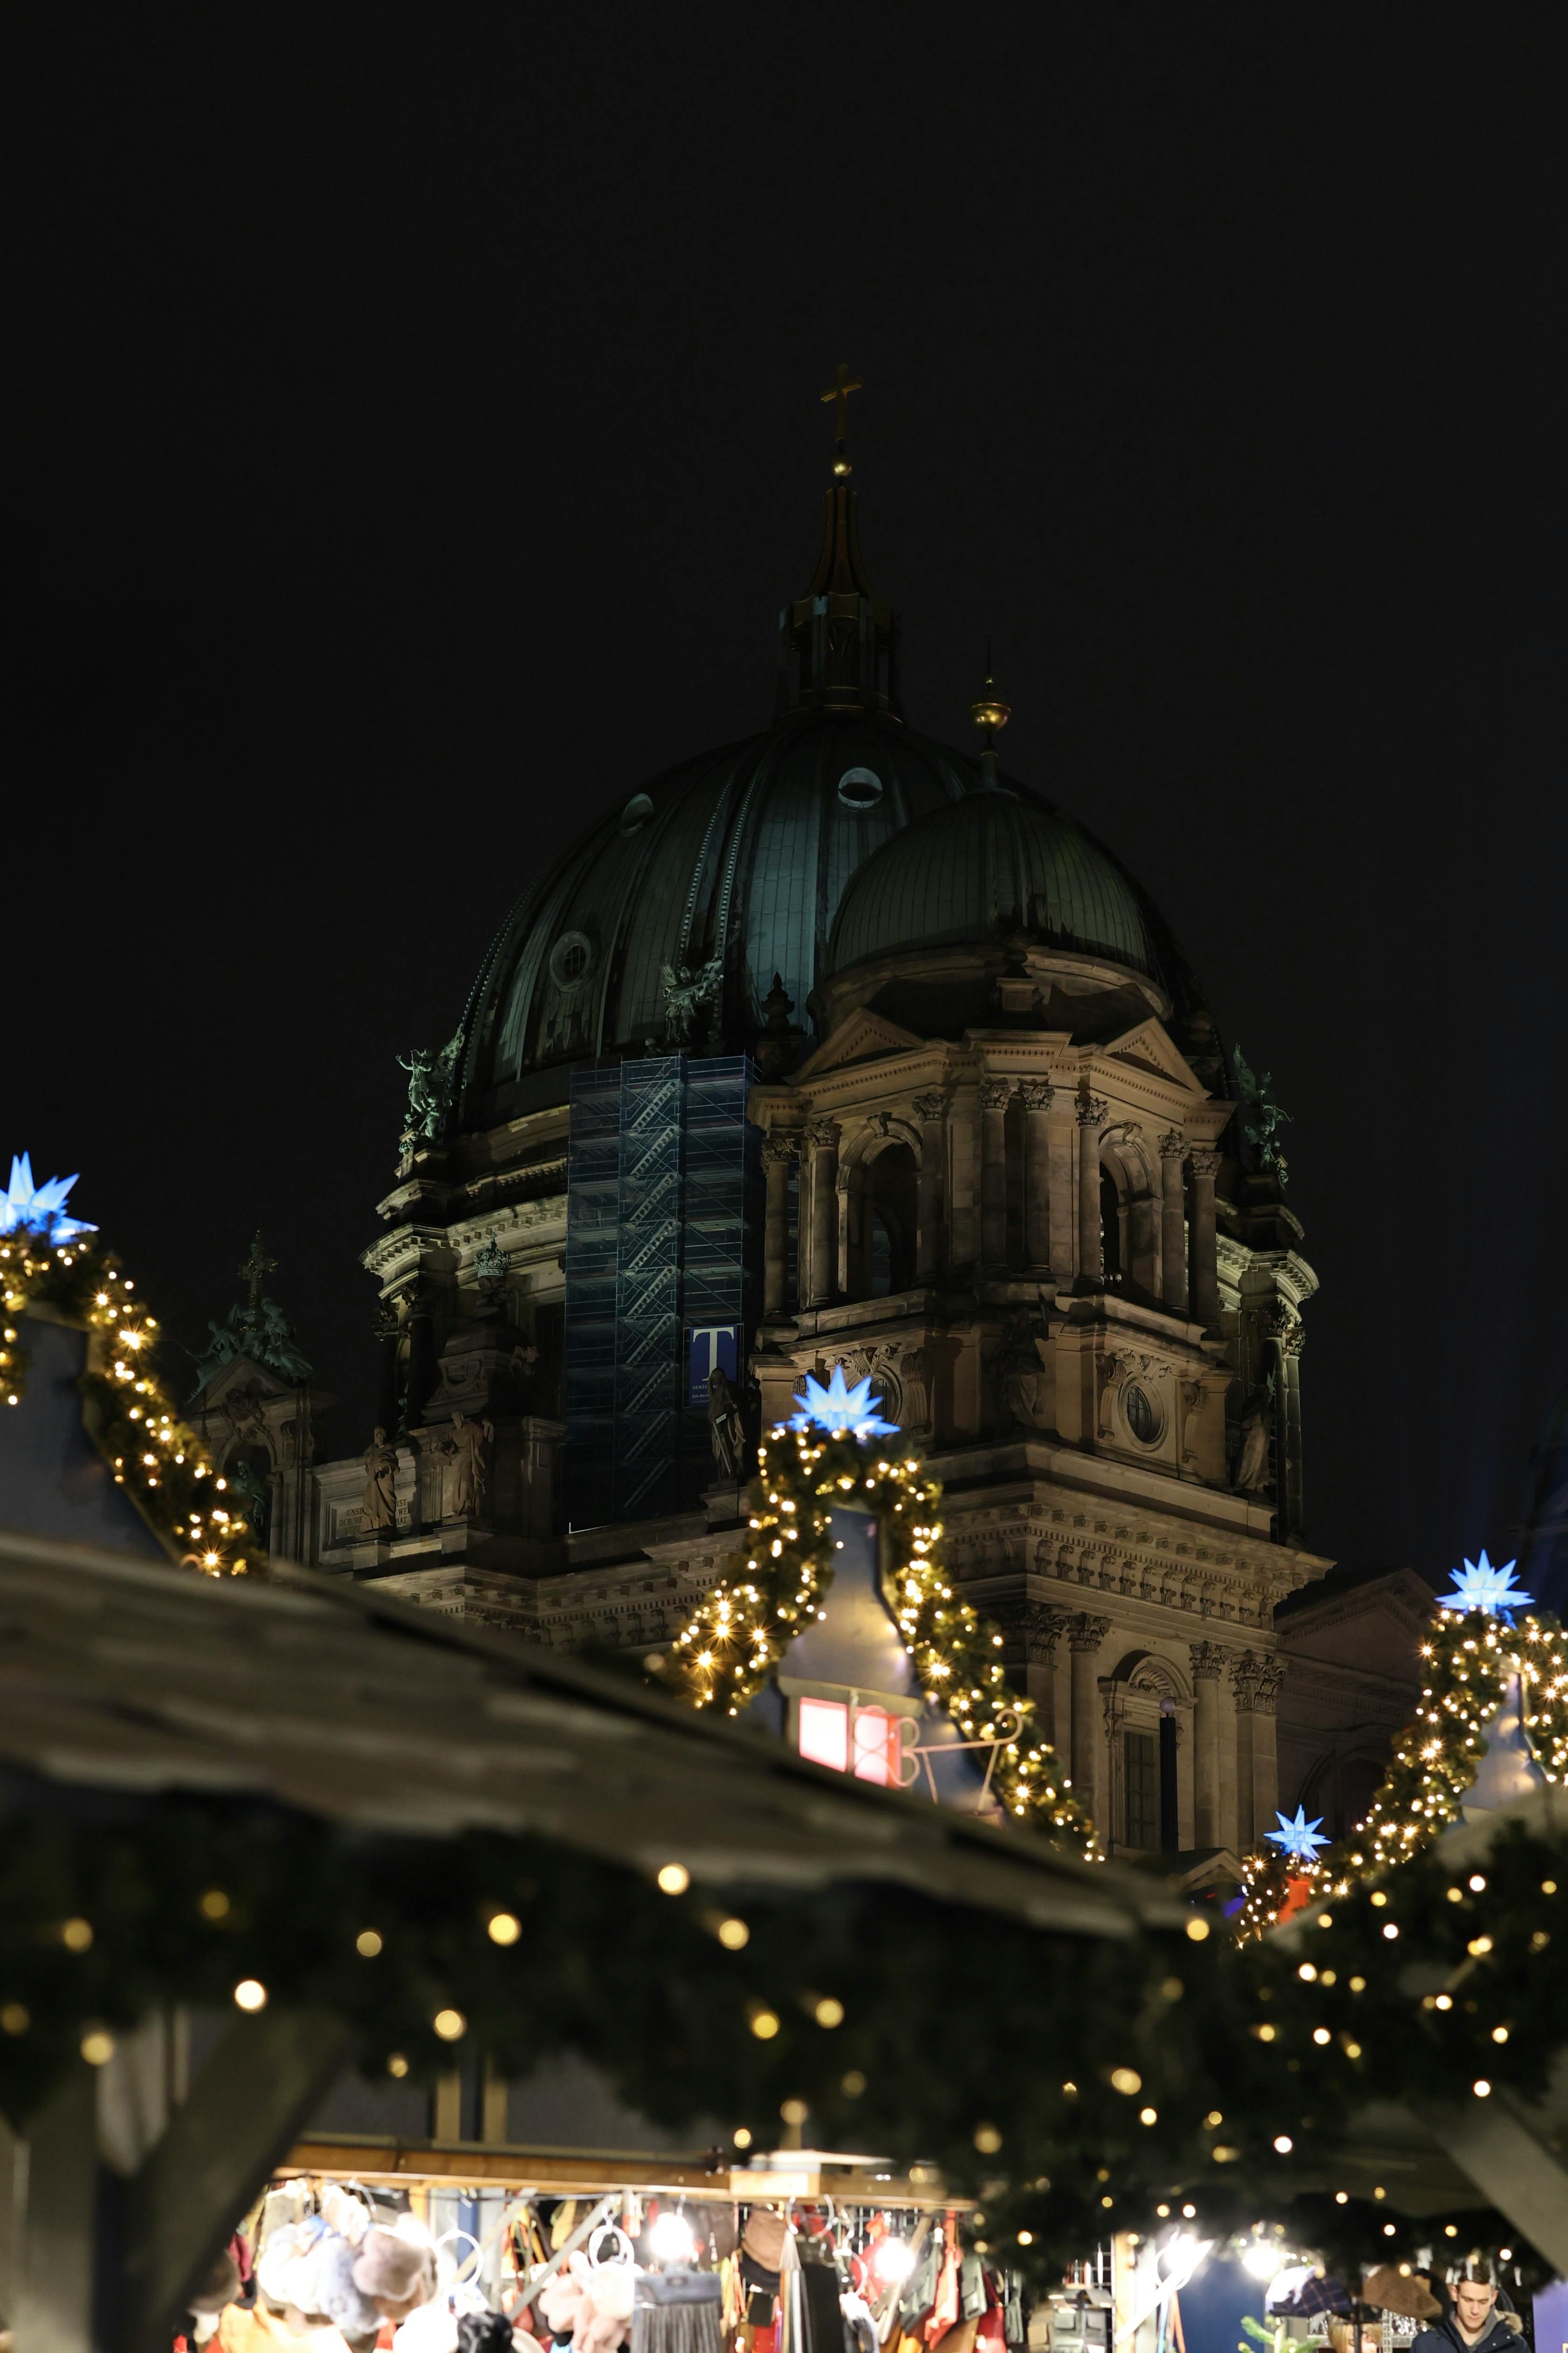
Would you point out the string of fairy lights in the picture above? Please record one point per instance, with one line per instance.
(150, 1450)
(827, 1457)
(1483, 1654)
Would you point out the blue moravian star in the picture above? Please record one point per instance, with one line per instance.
(1298, 1838)
(836, 1408)
(27, 1208)
(1480, 1586)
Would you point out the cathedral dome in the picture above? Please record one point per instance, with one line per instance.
(669, 918)
(1002, 864)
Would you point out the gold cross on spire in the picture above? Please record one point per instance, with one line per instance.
(840, 392)
(256, 1269)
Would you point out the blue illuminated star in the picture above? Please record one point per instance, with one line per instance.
(27, 1208)
(1298, 1839)
(1480, 1586)
(836, 1408)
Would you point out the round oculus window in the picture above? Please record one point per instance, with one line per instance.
(859, 788)
(1141, 1414)
(570, 959)
(638, 811)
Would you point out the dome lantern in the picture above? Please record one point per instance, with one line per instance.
(838, 643)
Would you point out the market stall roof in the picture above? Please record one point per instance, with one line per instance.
(128, 1675)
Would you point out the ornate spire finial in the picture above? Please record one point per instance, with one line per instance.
(256, 1269)
(840, 392)
(989, 713)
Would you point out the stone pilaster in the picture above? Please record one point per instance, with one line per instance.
(1268, 1676)
(1203, 1273)
(780, 1153)
(1037, 1095)
(822, 1140)
(993, 1098)
(1086, 1632)
(1207, 1660)
(930, 1187)
(1243, 1684)
(1173, 1223)
(1090, 1261)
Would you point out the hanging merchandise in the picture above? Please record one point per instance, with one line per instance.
(395, 2270)
(677, 2311)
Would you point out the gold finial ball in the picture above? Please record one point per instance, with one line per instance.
(841, 467)
(990, 711)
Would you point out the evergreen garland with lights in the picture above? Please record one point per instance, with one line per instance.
(137, 1427)
(740, 1632)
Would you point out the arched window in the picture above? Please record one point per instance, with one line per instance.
(891, 1215)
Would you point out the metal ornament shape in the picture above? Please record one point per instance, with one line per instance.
(27, 1207)
(1298, 1838)
(1480, 1586)
(838, 1410)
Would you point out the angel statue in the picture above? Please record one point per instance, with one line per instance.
(688, 989)
(1257, 1094)
(465, 1449)
(429, 1089)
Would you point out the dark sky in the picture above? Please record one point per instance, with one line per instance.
(415, 433)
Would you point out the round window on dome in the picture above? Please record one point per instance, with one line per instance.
(638, 811)
(570, 959)
(859, 788)
(1141, 1414)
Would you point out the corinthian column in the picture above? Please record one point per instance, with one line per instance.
(1090, 1119)
(1207, 1660)
(822, 1137)
(1036, 1094)
(1085, 1635)
(930, 1111)
(994, 1094)
(779, 1155)
(1172, 1224)
(1205, 1271)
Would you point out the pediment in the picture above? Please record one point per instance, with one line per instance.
(1376, 1624)
(1150, 1045)
(861, 1037)
(242, 1372)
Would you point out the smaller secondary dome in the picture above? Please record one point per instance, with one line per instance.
(993, 865)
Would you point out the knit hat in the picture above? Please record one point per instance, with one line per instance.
(338, 2297)
(396, 2274)
(1406, 2292)
(763, 2237)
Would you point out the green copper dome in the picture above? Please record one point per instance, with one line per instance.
(1002, 863)
(715, 877)
(666, 924)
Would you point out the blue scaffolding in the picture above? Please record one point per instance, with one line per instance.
(662, 1242)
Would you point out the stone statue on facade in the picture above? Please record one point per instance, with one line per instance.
(465, 1449)
(380, 1504)
(430, 1079)
(1261, 1129)
(688, 991)
(1252, 1457)
(726, 1430)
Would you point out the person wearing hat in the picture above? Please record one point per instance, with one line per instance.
(1472, 2323)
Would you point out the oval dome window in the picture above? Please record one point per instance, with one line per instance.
(570, 960)
(859, 788)
(638, 811)
(1143, 1415)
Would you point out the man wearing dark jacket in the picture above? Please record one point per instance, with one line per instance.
(1471, 2324)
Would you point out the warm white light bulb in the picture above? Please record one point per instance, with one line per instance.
(670, 2238)
(892, 2258)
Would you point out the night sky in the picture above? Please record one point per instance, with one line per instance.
(414, 432)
